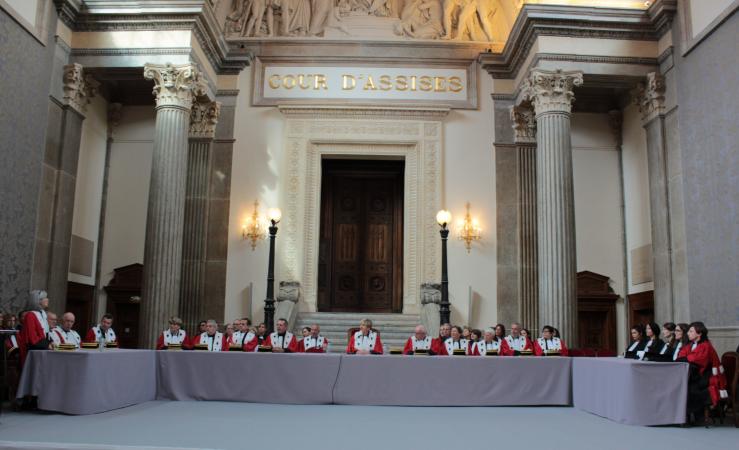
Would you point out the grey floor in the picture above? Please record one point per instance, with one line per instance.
(226, 426)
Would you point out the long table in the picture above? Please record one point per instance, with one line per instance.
(453, 381)
(631, 392)
(247, 377)
(89, 381)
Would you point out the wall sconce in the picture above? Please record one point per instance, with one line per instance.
(254, 228)
(468, 229)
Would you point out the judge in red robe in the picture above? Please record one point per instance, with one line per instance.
(314, 342)
(548, 345)
(365, 341)
(444, 332)
(698, 353)
(102, 332)
(490, 343)
(215, 340)
(420, 341)
(455, 342)
(518, 344)
(35, 332)
(175, 335)
(281, 341)
(64, 333)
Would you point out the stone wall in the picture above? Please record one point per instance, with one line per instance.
(25, 83)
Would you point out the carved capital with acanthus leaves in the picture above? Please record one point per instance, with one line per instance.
(524, 124)
(203, 119)
(175, 85)
(650, 97)
(79, 87)
(551, 91)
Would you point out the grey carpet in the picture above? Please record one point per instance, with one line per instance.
(226, 426)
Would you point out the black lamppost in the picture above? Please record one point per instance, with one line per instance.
(269, 303)
(443, 218)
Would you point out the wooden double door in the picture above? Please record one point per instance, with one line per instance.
(360, 262)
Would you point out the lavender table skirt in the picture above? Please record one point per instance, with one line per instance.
(631, 392)
(88, 381)
(453, 381)
(247, 377)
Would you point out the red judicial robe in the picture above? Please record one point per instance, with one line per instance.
(312, 344)
(542, 345)
(371, 342)
(167, 337)
(11, 343)
(35, 333)
(248, 342)
(94, 333)
(717, 382)
(215, 343)
(437, 344)
(450, 345)
(288, 342)
(413, 344)
(66, 337)
(481, 348)
(519, 344)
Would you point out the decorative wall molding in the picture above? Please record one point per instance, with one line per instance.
(551, 91)
(203, 119)
(524, 124)
(175, 85)
(650, 97)
(308, 140)
(363, 112)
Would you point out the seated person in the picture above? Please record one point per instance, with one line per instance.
(11, 342)
(202, 326)
(455, 342)
(212, 338)
(547, 344)
(64, 334)
(52, 337)
(282, 341)
(681, 342)
(261, 333)
(490, 343)
(236, 333)
(419, 341)
(700, 354)
(365, 341)
(175, 335)
(445, 330)
(518, 344)
(314, 342)
(655, 345)
(103, 331)
(229, 334)
(305, 332)
(244, 337)
(637, 342)
(668, 338)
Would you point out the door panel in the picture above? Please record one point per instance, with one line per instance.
(360, 258)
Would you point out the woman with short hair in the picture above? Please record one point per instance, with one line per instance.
(174, 336)
(455, 344)
(549, 345)
(365, 341)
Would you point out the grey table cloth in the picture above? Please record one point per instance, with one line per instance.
(247, 377)
(89, 381)
(631, 392)
(453, 381)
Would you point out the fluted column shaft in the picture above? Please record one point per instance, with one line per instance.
(203, 119)
(175, 87)
(524, 127)
(551, 95)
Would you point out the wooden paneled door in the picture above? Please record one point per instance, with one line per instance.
(361, 247)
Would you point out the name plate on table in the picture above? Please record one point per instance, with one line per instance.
(460, 352)
(264, 349)
(66, 347)
(551, 353)
(201, 347)
(396, 351)
(111, 345)
(174, 347)
(90, 345)
(491, 353)
(235, 348)
(285, 82)
(420, 352)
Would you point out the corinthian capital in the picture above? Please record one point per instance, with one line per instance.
(203, 119)
(650, 97)
(79, 87)
(524, 124)
(175, 85)
(551, 90)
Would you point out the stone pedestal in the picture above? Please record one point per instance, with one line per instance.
(551, 94)
(288, 295)
(430, 309)
(175, 87)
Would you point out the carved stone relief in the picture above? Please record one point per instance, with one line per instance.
(465, 20)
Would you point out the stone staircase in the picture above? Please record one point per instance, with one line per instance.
(394, 329)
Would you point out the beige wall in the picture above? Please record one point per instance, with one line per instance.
(89, 186)
(703, 12)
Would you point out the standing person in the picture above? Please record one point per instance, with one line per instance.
(548, 345)
(174, 335)
(282, 341)
(365, 341)
(34, 334)
(103, 331)
(314, 342)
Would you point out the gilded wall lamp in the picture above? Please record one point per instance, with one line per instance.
(468, 229)
(254, 228)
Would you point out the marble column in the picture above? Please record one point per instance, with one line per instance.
(203, 120)
(524, 128)
(650, 98)
(175, 87)
(59, 178)
(551, 94)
